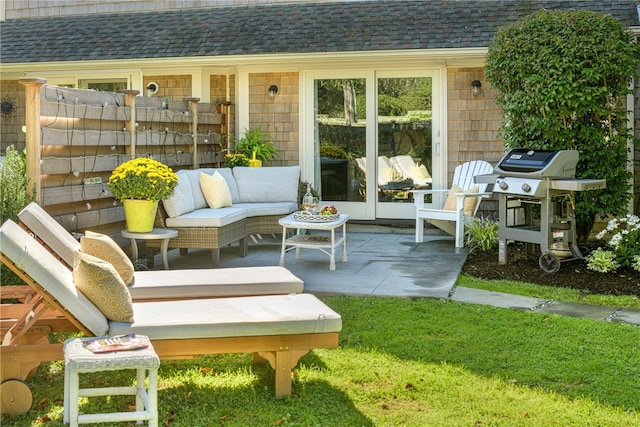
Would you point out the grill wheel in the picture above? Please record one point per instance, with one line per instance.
(549, 262)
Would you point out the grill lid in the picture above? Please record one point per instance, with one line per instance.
(524, 162)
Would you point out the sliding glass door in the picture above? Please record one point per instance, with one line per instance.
(369, 141)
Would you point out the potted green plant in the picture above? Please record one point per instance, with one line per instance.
(140, 183)
(256, 144)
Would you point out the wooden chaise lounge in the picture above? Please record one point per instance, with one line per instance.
(278, 329)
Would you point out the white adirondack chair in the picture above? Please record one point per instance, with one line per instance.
(463, 200)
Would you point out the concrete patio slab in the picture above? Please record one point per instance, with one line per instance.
(495, 299)
(625, 315)
(383, 263)
(378, 264)
(595, 312)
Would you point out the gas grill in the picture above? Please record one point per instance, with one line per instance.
(536, 189)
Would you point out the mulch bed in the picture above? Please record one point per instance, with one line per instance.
(572, 274)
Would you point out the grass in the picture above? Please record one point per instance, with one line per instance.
(409, 362)
(549, 292)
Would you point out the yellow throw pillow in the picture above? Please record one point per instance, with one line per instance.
(469, 202)
(103, 247)
(99, 281)
(215, 190)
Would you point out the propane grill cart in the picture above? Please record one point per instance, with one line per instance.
(536, 202)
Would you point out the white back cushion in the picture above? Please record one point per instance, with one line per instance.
(267, 184)
(227, 174)
(181, 201)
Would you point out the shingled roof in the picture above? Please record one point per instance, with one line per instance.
(349, 26)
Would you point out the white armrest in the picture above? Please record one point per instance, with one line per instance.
(418, 199)
(429, 191)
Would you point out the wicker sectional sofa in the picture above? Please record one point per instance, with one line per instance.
(260, 196)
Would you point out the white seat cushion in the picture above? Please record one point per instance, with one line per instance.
(231, 317)
(208, 217)
(268, 208)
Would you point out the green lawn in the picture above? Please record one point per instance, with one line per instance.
(409, 362)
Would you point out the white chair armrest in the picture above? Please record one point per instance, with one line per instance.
(442, 190)
(418, 196)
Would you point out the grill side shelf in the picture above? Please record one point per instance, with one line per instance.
(577, 184)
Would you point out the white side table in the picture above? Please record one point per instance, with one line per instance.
(78, 360)
(163, 234)
(321, 243)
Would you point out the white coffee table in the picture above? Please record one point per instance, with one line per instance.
(163, 234)
(299, 240)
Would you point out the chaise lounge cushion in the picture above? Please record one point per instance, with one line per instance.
(44, 268)
(103, 247)
(50, 232)
(221, 282)
(231, 317)
(99, 281)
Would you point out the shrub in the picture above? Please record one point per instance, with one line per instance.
(482, 234)
(16, 192)
(602, 260)
(622, 237)
(563, 78)
(333, 152)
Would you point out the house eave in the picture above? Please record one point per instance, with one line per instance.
(458, 56)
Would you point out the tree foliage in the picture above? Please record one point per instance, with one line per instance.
(562, 78)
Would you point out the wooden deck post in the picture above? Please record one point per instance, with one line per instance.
(33, 88)
(193, 110)
(130, 101)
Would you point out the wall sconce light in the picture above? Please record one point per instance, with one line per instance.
(475, 88)
(273, 90)
(152, 89)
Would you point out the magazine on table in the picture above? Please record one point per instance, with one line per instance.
(115, 343)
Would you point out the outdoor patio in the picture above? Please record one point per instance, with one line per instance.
(382, 261)
(386, 261)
